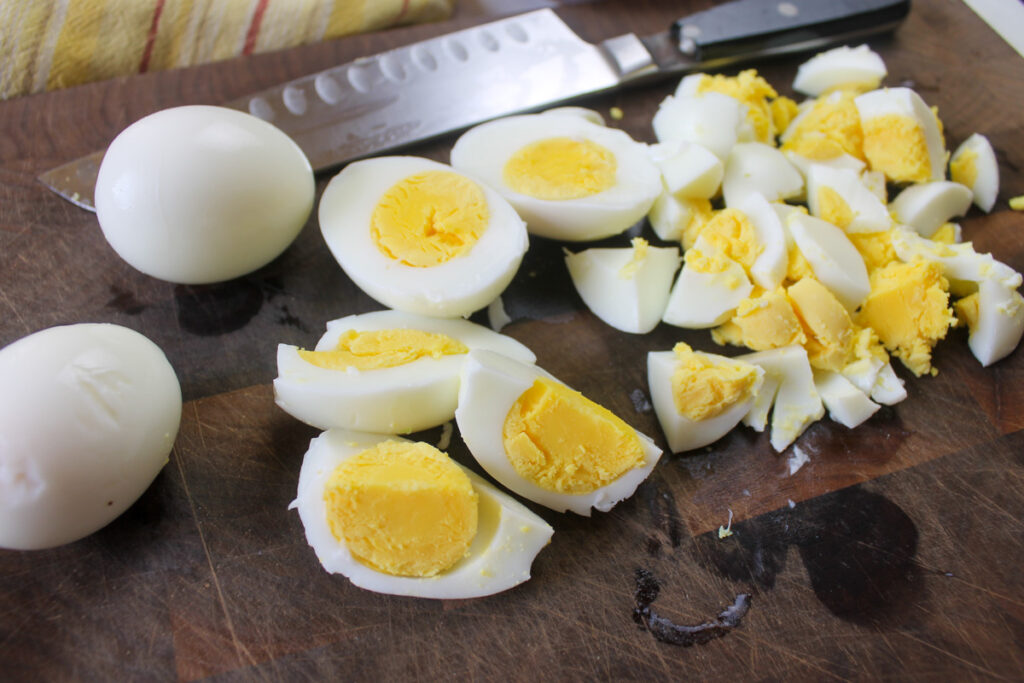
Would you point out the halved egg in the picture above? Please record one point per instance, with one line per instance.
(698, 397)
(420, 237)
(974, 165)
(627, 288)
(401, 517)
(857, 68)
(546, 442)
(388, 372)
(570, 179)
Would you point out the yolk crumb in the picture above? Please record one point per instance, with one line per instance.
(767, 321)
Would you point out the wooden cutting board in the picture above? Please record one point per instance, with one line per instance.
(895, 552)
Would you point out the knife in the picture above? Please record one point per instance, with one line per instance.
(513, 65)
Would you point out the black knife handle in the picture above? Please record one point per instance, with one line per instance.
(779, 26)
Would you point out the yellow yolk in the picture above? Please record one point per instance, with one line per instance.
(826, 323)
(896, 146)
(865, 347)
(640, 246)
(909, 309)
(1017, 203)
(429, 218)
(564, 442)
(784, 110)
(875, 248)
(833, 208)
(797, 266)
(763, 322)
(967, 310)
(733, 234)
(699, 219)
(402, 508)
(374, 349)
(946, 234)
(964, 168)
(703, 388)
(831, 128)
(751, 90)
(561, 168)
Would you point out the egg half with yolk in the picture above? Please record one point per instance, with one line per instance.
(420, 237)
(387, 371)
(402, 518)
(546, 442)
(569, 178)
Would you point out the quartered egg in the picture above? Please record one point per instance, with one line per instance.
(698, 397)
(857, 68)
(974, 165)
(840, 196)
(569, 178)
(628, 287)
(926, 206)
(902, 137)
(402, 518)
(420, 237)
(388, 372)
(546, 442)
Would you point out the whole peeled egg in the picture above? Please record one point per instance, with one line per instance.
(88, 415)
(201, 194)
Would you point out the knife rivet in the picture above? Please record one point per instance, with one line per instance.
(788, 9)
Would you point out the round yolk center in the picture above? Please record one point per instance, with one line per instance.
(564, 442)
(402, 508)
(561, 168)
(429, 218)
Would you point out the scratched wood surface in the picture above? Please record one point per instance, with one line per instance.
(894, 553)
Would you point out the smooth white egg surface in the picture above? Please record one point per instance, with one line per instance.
(88, 415)
(846, 404)
(756, 167)
(201, 194)
(797, 403)
(627, 288)
(710, 120)
(421, 237)
(853, 67)
(387, 372)
(926, 206)
(698, 397)
(833, 258)
(974, 165)
(546, 442)
(709, 288)
(432, 528)
(569, 178)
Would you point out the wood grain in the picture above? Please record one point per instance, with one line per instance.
(894, 553)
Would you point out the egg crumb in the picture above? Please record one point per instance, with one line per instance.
(703, 388)
(909, 309)
(616, 113)
(876, 248)
(564, 442)
(368, 498)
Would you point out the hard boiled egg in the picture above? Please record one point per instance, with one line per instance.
(756, 167)
(420, 237)
(710, 120)
(709, 288)
(994, 317)
(857, 68)
(797, 403)
(399, 517)
(833, 258)
(570, 179)
(927, 206)
(846, 404)
(388, 372)
(974, 165)
(626, 288)
(839, 196)
(546, 442)
(88, 415)
(202, 194)
(698, 397)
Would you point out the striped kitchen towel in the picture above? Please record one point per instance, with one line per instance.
(49, 44)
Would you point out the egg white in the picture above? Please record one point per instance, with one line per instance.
(833, 258)
(869, 212)
(926, 206)
(757, 167)
(986, 185)
(796, 404)
(681, 432)
(396, 400)
(455, 288)
(491, 384)
(509, 536)
(843, 65)
(483, 152)
(699, 300)
(711, 120)
(904, 102)
(845, 402)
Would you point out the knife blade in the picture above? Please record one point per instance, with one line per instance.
(517, 64)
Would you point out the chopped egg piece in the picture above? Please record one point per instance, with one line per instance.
(960, 263)
(387, 372)
(1017, 203)
(757, 417)
(546, 442)
(840, 197)
(675, 219)
(626, 288)
(836, 263)
(909, 309)
(876, 248)
(927, 206)
(691, 171)
(746, 87)
(568, 178)
(767, 321)
(709, 288)
(867, 357)
(901, 135)
(846, 404)
(797, 403)
(974, 165)
(769, 267)
(857, 68)
(698, 397)
(756, 167)
(826, 323)
(827, 129)
(889, 389)
(710, 120)
(465, 539)
(995, 319)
